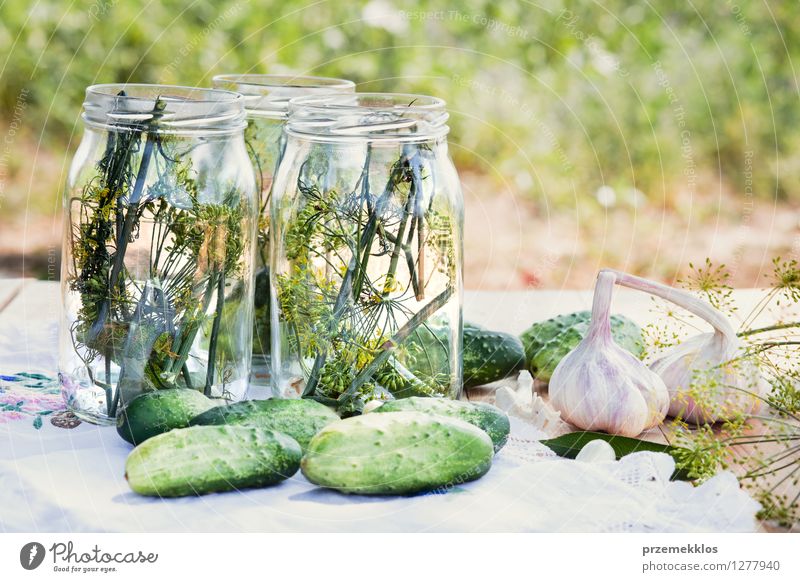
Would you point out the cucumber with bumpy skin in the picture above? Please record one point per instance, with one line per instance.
(547, 342)
(488, 355)
(300, 419)
(153, 413)
(207, 459)
(397, 453)
(486, 417)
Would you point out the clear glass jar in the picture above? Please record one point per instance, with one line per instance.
(161, 210)
(367, 219)
(267, 105)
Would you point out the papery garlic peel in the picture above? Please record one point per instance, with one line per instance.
(708, 363)
(601, 386)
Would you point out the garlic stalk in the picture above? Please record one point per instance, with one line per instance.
(708, 376)
(601, 386)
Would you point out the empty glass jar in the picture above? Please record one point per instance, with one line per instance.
(157, 270)
(367, 221)
(267, 105)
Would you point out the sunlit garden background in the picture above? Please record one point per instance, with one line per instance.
(642, 136)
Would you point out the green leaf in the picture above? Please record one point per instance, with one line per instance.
(37, 422)
(569, 445)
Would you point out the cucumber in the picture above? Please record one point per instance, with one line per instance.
(159, 411)
(298, 418)
(547, 342)
(207, 459)
(540, 333)
(488, 356)
(397, 453)
(486, 417)
(261, 313)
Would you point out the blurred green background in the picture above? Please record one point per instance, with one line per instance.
(637, 135)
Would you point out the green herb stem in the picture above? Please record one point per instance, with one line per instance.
(749, 332)
(399, 337)
(401, 231)
(215, 327)
(186, 339)
(131, 216)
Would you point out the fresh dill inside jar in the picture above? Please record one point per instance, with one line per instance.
(266, 100)
(157, 272)
(367, 221)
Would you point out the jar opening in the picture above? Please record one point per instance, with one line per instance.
(269, 95)
(373, 116)
(174, 109)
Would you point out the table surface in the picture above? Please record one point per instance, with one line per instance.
(50, 465)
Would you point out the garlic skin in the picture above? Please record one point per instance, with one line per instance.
(601, 386)
(596, 451)
(733, 383)
(516, 398)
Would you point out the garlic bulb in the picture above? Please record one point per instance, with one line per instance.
(601, 386)
(712, 364)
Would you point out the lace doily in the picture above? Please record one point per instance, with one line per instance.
(633, 494)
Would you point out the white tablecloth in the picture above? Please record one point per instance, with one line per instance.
(73, 480)
(55, 479)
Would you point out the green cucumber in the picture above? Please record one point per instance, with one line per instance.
(547, 342)
(300, 419)
(541, 332)
(153, 413)
(488, 356)
(208, 459)
(486, 417)
(397, 453)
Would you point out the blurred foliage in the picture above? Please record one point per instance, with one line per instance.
(556, 97)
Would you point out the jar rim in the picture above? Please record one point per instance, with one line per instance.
(409, 102)
(182, 109)
(374, 116)
(149, 91)
(269, 94)
(259, 82)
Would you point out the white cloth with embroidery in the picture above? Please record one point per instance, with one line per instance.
(73, 480)
(63, 480)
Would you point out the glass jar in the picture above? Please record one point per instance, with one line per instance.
(367, 243)
(267, 106)
(161, 210)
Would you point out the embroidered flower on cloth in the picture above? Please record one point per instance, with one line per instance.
(29, 395)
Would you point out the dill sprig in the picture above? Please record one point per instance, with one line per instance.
(762, 448)
(354, 293)
(143, 314)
